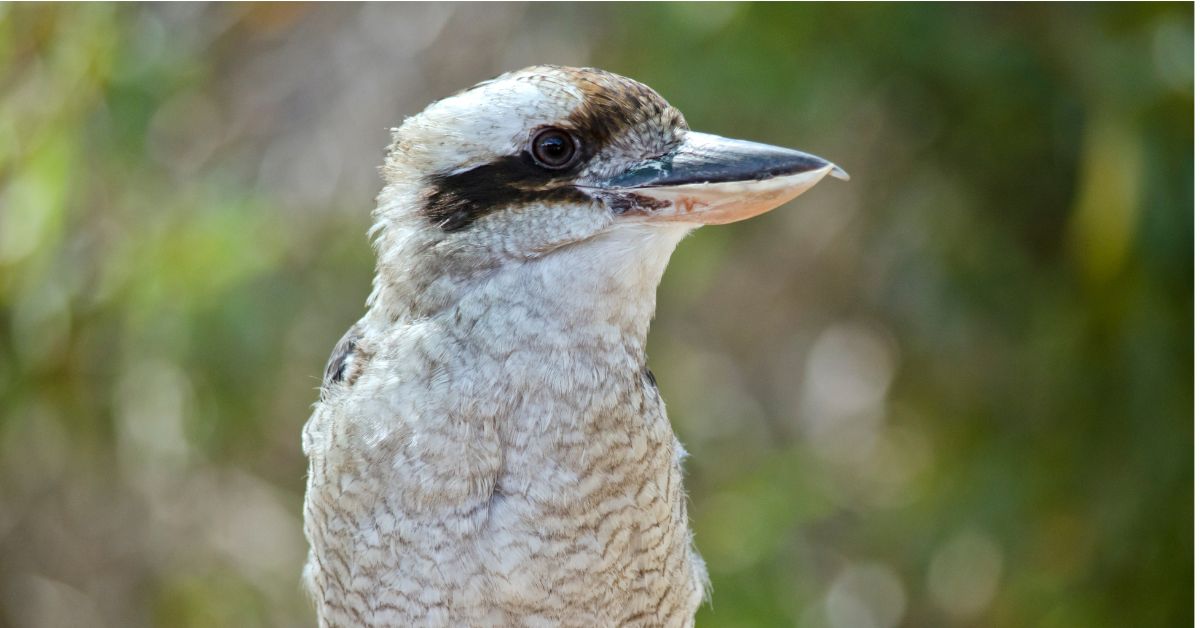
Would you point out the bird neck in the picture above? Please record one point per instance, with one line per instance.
(593, 295)
(517, 378)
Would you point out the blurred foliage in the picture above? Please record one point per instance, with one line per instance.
(953, 392)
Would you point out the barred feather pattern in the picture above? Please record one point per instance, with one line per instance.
(503, 461)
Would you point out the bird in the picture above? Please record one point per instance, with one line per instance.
(489, 447)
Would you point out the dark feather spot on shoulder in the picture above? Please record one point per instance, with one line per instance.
(343, 363)
(649, 375)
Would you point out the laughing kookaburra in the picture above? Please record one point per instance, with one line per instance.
(489, 448)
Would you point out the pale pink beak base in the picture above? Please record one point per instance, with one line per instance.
(731, 201)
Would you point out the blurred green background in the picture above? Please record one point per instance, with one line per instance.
(953, 392)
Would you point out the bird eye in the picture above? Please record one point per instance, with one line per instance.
(553, 148)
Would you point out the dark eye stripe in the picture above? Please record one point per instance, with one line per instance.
(455, 201)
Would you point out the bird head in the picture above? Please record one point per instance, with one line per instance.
(576, 167)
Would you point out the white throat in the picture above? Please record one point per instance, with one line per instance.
(599, 289)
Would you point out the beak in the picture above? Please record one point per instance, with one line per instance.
(713, 180)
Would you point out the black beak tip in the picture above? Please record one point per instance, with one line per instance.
(794, 162)
(704, 158)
